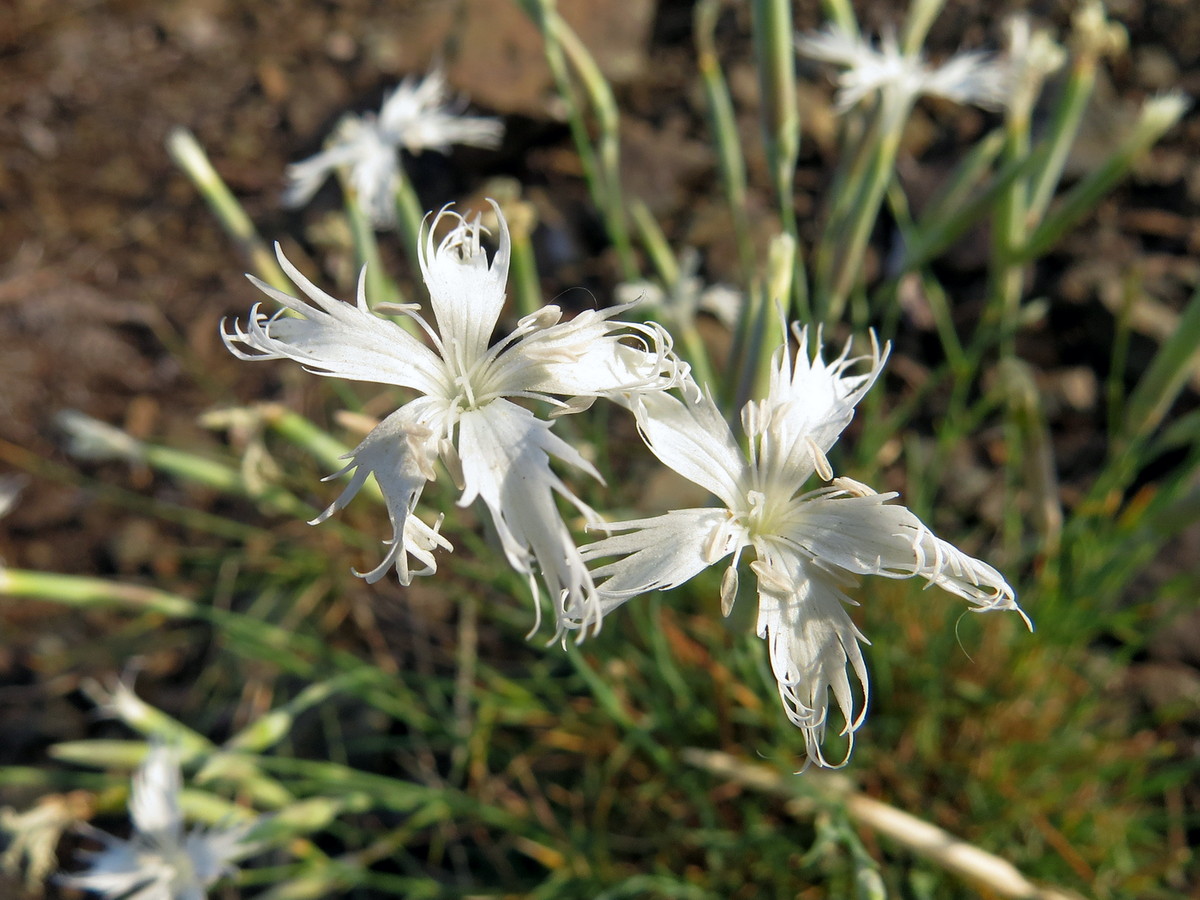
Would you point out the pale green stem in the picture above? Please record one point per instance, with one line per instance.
(683, 327)
(306, 435)
(380, 288)
(220, 477)
(604, 106)
(527, 288)
(655, 243)
(769, 322)
(723, 121)
(775, 57)
(848, 272)
(1007, 286)
(1008, 233)
(858, 136)
(841, 13)
(1065, 126)
(921, 16)
(543, 15)
(600, 166)
(409, 217)
(187, 153)
(1159, 116)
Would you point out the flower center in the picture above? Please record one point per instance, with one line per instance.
(761, 515)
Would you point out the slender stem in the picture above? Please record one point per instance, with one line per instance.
(654, 242)
(380, 288)
(527, 288)
(772, 24)
(921, 16)
(1158, 116)
(1008, 232)
(722, 120)
(682, 321)
(601, 164)
(410, 215)
(608, 150)
(191, 158)
(1064, 127)
(841, 13)
(863, 218)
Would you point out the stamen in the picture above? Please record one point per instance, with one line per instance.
(820, 460)
(854, 488)
(729, 587)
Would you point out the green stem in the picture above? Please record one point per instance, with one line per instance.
(187, 153)
(863, 218)
(410, 215)
(380, 288)
(1065, 126)
(723, 122)
(772, 25)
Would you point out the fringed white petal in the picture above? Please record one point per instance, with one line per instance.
(416, 115)
(814, 647)
(213, 852)
(834, 45)
(303, 179)
(440, 129)
(660, 553)
(466, 292)
(808, 405)
(399, 452)
(849, 527)
(868, 69)
(505, 452)
(375, 175)
(971, 77)
(590, 355)
(342, 340)
(119, 868)
(154, 797)
(358, 145)
(420, 115)
(159, 861)
(694, 439)
(899, 78)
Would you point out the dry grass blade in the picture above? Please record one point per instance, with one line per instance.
(921, 838)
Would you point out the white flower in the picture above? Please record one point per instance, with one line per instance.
(416, 116)
(91, 439)
(682, 302)
(161, 861)
(899, 79)
(808, 547)
(497, 451)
